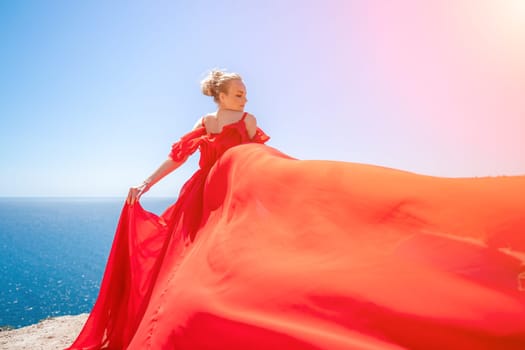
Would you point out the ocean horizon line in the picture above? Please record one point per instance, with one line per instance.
(77, 197)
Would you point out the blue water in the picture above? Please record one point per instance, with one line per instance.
(53, 253)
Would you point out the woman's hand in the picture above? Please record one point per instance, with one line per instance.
(164, 169)
(136, 191)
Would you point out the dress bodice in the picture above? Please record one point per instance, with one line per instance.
(213, 145)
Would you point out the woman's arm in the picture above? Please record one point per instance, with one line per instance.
(164, 169)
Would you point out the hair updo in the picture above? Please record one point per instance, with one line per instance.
(216, 82)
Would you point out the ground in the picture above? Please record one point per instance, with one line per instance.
(50, 334)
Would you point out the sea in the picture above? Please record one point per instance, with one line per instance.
(53, 252)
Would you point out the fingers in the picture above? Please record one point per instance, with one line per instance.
(140, 191)
(129, 199)
(133, 196)
(138, 195)
(135, 193)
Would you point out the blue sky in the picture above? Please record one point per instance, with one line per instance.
(93, 94)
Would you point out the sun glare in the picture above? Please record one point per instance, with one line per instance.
(511, 15)
(495, 29)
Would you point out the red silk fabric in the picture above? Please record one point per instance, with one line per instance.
(264, 251)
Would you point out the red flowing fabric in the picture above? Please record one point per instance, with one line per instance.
(264, 251)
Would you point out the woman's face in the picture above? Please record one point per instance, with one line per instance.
(235, 99)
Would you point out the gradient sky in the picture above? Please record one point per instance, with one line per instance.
(93, 93)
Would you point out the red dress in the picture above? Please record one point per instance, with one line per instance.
(264, 251)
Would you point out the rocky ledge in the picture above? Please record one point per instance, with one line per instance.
(49, 334)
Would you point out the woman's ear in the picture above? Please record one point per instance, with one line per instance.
(222, 96)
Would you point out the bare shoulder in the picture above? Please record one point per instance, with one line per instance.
(250, 119)
(205, 121)
(251, 124)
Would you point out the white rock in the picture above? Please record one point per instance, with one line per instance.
(49, 334)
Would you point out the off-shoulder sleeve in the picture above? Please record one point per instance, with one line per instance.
(260, 136)
(187, 145)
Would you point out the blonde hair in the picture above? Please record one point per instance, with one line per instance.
(216, 82)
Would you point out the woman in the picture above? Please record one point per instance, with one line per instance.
(133, 266)
(262, 250)
(229, 93)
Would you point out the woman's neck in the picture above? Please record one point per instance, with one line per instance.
(227, 116)
(227, 110)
